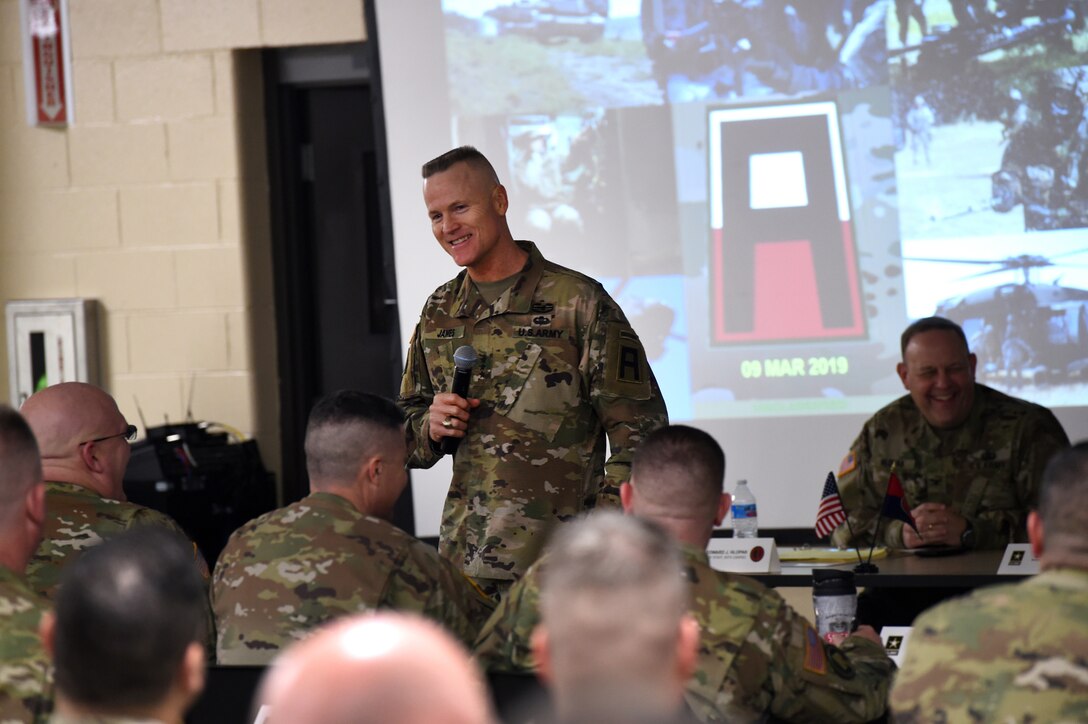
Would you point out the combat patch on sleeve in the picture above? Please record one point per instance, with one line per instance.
(848, 464)
(815, 656)
(626, 370)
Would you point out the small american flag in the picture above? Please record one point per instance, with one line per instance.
(830, 514)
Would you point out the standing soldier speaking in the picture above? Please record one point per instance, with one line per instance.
(559, 368)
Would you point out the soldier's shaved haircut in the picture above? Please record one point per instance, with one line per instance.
(1063, 501)
(612, 600)
(461, 154)
(678, 471)
(346, 428)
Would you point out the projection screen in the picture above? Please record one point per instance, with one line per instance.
(772, 191)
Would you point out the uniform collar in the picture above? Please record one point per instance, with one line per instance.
(72, 489)
(693, 554)
(1063, 577)
(517, 299)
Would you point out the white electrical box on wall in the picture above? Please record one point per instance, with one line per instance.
(50, 341)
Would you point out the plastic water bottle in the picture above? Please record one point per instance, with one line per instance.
(745, 517)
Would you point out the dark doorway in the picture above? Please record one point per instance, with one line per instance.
(336, 311)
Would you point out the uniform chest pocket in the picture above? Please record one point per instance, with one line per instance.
(536, 388)
(439, 356)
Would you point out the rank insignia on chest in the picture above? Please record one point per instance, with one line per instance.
(542, 308)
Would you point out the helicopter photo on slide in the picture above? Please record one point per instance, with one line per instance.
(1025, 313)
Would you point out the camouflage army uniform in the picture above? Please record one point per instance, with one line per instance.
(293, 569)
(988, 470)
(26, 680)
(1010, 653)
(559, 369)
(78, 518)
(756, 654)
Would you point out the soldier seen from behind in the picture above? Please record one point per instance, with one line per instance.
(1016, 652)
(615, 643)
(757, 656)
(335, 552)
(25, 671)
(127, 633)
(376, 668)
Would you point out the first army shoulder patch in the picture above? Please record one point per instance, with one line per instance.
(627, 372)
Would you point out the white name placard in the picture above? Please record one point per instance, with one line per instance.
(895, 642)
(744, 555)
(1018, 561)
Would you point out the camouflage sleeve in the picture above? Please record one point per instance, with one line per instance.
(1040, 436)
(416, 394)
(430, 585)
(150, 516)
(931, 642)
(624, 393)
(504, 644)
(814, 681)
(26, 674)
(862, 497)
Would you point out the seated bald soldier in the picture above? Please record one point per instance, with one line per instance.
(84, 441)
(385, 667)
(757, 656)
(334, 552)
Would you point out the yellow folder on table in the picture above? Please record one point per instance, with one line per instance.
(826, 554)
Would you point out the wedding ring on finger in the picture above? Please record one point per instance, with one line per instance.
(447, 423)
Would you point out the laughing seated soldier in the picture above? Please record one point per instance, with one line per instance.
(970, 458)
(334, 552)
(756, 656)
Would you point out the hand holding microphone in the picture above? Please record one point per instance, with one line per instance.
(449, 411)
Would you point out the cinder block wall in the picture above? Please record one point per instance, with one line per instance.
(154, 200)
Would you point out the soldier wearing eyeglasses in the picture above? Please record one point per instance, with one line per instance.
(84, 441)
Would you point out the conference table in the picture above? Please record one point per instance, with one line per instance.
(969, 569)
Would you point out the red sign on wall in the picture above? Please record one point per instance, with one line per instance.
(44, 25)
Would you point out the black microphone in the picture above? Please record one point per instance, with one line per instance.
(464, 359)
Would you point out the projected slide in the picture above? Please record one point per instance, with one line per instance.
(775, 189)
(772, 190)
